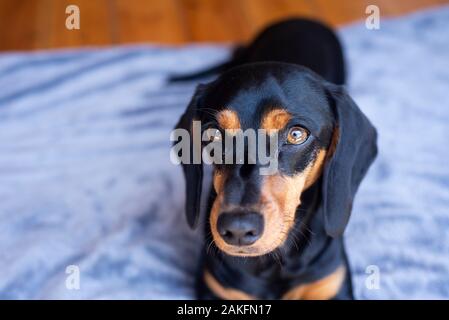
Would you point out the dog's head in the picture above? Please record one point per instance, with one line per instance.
(321, 136)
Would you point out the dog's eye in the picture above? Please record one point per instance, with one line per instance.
(297, 135)
(214, 135)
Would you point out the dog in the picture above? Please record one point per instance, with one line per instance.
(279, 236)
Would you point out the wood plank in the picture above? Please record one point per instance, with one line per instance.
(43, 24)
(259, 13)
(399, 7)
(95, 23)
(341, 12)
(30, 24)
(214, 20)
(159, 21)
(336, 13)
(17, 24)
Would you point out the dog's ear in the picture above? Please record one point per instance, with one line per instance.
(193, 172)
(353, 149)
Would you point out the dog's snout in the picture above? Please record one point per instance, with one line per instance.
(240, 229)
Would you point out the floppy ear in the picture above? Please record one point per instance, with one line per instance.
(193, 173)
(355, 148)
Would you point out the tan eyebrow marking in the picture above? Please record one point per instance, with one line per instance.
(276, 119)
(228, 120)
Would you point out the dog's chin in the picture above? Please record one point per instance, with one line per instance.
(244, 252)
(253, 250)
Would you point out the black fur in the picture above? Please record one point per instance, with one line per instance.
(314, 247)
(299, 41)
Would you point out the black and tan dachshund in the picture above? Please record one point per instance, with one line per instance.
(280, 236)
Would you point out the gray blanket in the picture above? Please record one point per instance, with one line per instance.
(86, 181)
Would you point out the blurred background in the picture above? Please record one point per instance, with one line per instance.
(39, 24)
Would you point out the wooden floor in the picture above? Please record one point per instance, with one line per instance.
(40, 24)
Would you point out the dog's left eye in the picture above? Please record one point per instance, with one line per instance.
(297, 135)
(214, 135)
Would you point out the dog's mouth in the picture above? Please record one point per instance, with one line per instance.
(265, 245)
(260, 228)
(251, 233)
(245, 252)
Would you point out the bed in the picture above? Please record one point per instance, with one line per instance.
(86, 181)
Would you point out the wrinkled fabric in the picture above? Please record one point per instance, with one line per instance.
(86, 177)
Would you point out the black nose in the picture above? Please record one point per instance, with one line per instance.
(240, 229)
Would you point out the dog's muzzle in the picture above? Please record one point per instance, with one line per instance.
(240, 228)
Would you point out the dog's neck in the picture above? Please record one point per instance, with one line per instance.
(307, 255)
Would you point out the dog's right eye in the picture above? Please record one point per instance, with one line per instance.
(297, 135)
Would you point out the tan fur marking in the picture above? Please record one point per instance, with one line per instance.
(218, 181)
(334, 141)
(322, 289)
(214, 213)
(316, 169)
(280, 196)
(228, 120)
(275, 120)
(279, 199)
(225, 293)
